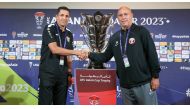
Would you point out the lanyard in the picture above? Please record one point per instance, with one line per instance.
(125, 49)
(60, 41)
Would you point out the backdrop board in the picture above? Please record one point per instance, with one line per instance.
(20, 44)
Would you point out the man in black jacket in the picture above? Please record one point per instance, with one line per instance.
(136, 60)
(55, 63)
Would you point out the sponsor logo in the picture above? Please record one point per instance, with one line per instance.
(22, 35)
(185, 43)
(157, 43)
(177, 51)
(10, 64)
(11, 53)
(186, 60)
(37, 35)
(32, 46)
(185, 56)
(185, 68)
(31, 57)
(32, 50)
(24, 57)
(79, 42)
(170, 47)
(5, 49)
(12, 57)
(185, 52)
(39, 42)
(31, 64)
(170, 51)
(178, 60)
(177, 55)
(163, 51)
(170, 56)
(38, 57)
(163, 56)
(177, 43)
(3, 35)
(170, 60)
(163, 67)
(71, 92)
(180, 36)
(163, 60)
(170, 44)
(19, 42)
(185, 48)
(118, 92)
(25, 49)
(163, 44)
(32, 42)
(32, 53)
(188, 92)
(163, 47)
(160, 36)
(157, 48)
(177, 48)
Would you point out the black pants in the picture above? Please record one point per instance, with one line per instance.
(53, 89)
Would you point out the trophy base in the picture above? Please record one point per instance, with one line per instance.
(96, 65)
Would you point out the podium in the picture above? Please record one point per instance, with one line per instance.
(95, 87)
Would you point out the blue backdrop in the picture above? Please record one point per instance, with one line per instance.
(21, 31)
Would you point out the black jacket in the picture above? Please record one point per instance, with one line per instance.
(49, 63)
(141, 53)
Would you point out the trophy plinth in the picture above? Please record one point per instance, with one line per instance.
(96, 65)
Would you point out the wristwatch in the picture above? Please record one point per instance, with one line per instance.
(70, 74)
(155, 76)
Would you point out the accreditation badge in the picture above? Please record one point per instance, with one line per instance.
(126, 61)
(61, 62)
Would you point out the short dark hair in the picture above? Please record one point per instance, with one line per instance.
(62, 8)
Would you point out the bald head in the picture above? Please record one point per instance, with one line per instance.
(125, 8)
(125, 16)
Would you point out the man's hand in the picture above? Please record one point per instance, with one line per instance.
(82, 54)
(155, 83)
(85, 54)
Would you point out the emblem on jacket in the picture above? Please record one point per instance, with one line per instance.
(68, 39)
(131, 41)
(116, 43)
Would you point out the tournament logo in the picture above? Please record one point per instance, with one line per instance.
(39, 16)
(94, 100)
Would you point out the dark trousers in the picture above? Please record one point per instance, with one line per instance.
(53, 89)
(141, 95)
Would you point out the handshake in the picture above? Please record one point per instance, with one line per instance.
(82, 54)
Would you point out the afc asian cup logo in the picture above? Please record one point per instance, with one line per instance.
(39, 16)
(94, 100)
